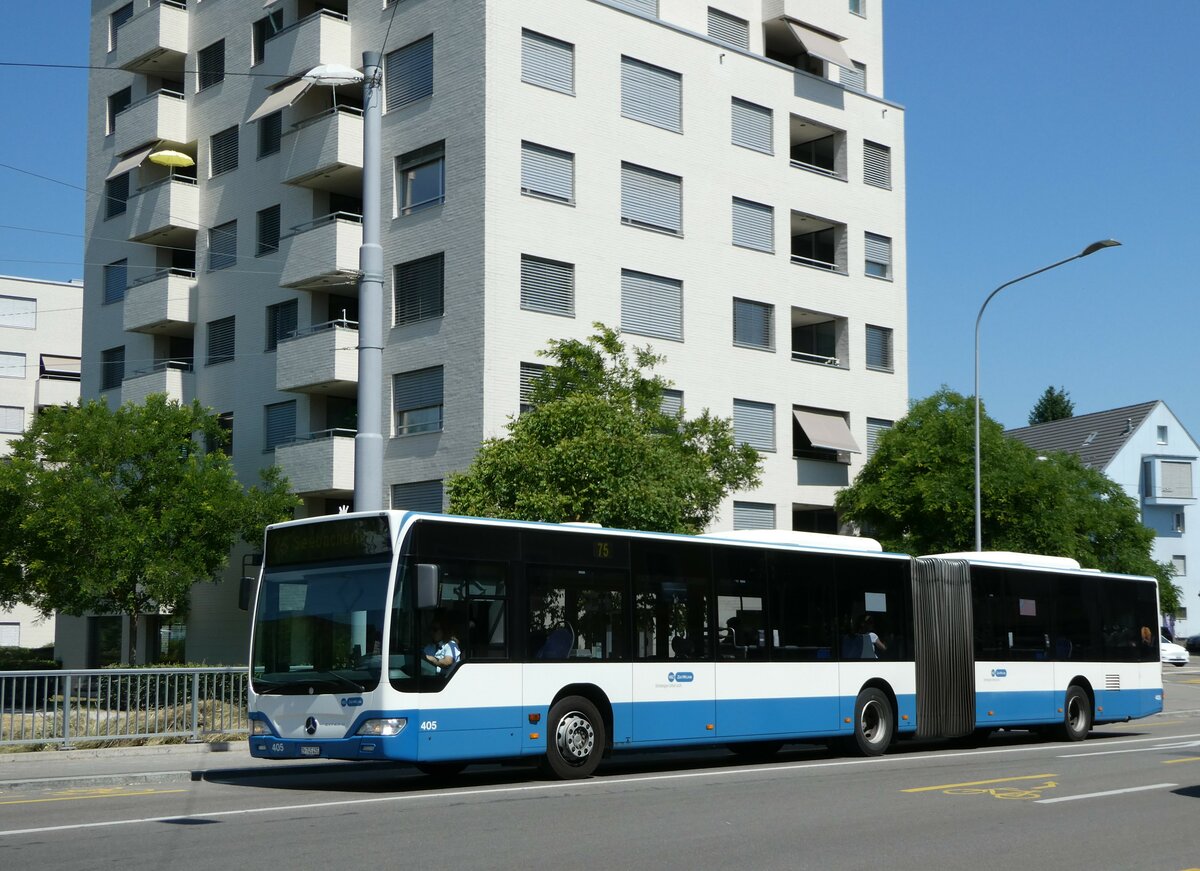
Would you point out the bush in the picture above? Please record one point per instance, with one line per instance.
(28, 659)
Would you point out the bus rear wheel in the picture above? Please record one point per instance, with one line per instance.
(1077, 715)
(874, 723)
(575, 739)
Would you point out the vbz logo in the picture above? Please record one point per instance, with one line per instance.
(352, 702)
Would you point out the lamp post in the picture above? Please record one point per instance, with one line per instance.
(1090, 249)
(368, 440)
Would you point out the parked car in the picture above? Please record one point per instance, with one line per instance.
(1175, 654)
(1193, 644)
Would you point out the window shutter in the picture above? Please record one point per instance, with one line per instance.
(645, 7)
(651, 94)
(875, 428)
(222, 246)
(220, 341)
(752, 324)
(547, 172)
(878, 255)
(854, 79)
(547, 62)
(211, 64)
(420, 289)
(672, 402)
(877, 165)
(282, 319)
(116, 193)
(651, 198)
(754, 424)
(530, 372)
(20, 312)
(408, 73)
(270, 133)
(728, 29)
(879, 347)
(651, 305)
(547, 286)
(753, 225)
(112, 367)
(1176, 480)
(223, 151)
(753, 515)
(418, 496)
(12, 365)
(268, 230)
(420, 389)
(116, 281)
(281, 424)
(12, 419)
(752, 126)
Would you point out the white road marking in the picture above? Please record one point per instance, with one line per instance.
(1105, 793)
(1179, 745)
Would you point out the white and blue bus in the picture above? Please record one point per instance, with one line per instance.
(575, 641)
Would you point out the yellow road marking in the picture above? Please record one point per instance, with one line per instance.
(102, 794)
(1183, 759)
(980, 782)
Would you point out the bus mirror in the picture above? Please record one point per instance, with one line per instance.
(427, 585)
(244, 590)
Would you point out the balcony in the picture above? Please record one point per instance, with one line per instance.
(323, 253)
(56, 391)
(321, 38)
(321, 465)
(172, 377)
(159, 117)
(322, 359)
(819, 243)
(155, 41)
(817, 148)
(820, 339)
(162, 304)
(166, 213)
(325, 152)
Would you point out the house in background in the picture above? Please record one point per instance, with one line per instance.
(1149, 453)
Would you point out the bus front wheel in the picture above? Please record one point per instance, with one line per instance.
(1077, 715)
(874, 723)
(575, 738)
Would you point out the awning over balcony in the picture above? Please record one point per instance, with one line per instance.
(818, 44)
(827, 429)
(60, 367)
(127, 163)
(281, 99)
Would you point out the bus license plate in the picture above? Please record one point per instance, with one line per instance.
(310, 751)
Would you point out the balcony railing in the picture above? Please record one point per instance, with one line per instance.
(166, 212)
(322, 253)
(320, 38)
(153, 41)
(172, 377)
(805, 357)
(819, 170)
(818, 264)
(157, 117)
(325, 151)
(320, 359)
(320, 464)
(163, 303)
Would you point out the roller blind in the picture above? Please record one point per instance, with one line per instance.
(220, 341)
(879, 347)
(547, 285)
(420, 289)
(754, 424)
(280, 424)
(268, 230)
(419, 389)
(875, 428)
(651, 305)
(12, 365)
(651, 198)
(753, 225)
(651, 94)
(877, 164)
(116, 281)
(223, 151)
(728, 28)
(408, 73)
(547, 62)
(282, 319)
(752, 324)
(418, 496)
(752, 126)
(530, 372)
(753, 515)
(672, 402)
(222, 246)
(547, 172)
(645, 7)
(12, 419)
(20, 311)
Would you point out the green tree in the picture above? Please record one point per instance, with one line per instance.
(597, 447)
(916, 495)
(121, 511)
(1052, 405)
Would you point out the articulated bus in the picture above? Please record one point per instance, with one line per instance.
(576, 641)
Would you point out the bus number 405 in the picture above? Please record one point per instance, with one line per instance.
(429, 725)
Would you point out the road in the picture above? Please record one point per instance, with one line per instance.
(1128, 797)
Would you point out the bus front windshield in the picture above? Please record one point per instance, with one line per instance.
(319, 627)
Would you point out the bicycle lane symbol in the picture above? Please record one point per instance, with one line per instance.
(999, 787)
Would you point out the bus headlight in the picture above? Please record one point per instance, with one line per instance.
(259, 727)
(384, 727)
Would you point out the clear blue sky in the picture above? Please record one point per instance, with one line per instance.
(1033, 128)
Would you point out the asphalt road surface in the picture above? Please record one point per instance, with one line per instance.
(1128, 797)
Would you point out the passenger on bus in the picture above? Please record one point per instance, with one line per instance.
(862, 642)
(442, 652)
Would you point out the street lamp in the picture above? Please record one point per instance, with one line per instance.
(1090, 249)
(368, 440)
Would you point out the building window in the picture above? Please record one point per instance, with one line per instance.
(879, 348)
(854, 78)
(547, 286)
(418, 496)
(117, 103)
(752, 126)
(264, 29)
(642, 7)
(651, 305)
(419, 289)
(753, 515)
(877, 165)
(547, 172)
(651, 94)
(754, 424)
(878, 250)
(875, 428)
(1179, 564)
(530, 373)
(280, 428)
(116, 194)
(421, 178)
(729, 29)
(18, 312)
(59, 368)
(859, 7)
(282, 320)
(818, 338)
(817, 147)
(821, 434)
(672, 402)
(115, 20)
(225, 443)
(12, 419)
(12, 364)
(753, 324)
(818, 243)
(268, 231)
(547, 62)
(169, 644)
(223, 151)
(222, 246)
(408, 74)
(115, 281)
(651, 199)
(1162, 435)
(270, 133)
(210, 62)
(112, 368)
(1180, 525)
(417, 401)
(220, 341)
(753, 225)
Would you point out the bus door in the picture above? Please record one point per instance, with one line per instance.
(1014, 647)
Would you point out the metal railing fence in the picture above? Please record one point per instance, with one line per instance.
(111, 704)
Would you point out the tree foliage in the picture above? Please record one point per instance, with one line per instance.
(598, 447)
(1052, 405)
(916, 494)
(121, 511)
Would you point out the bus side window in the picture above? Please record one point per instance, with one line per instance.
(671, 590)
(801, 607)
(741, 582)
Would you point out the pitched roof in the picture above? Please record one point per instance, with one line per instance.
(1095, 438)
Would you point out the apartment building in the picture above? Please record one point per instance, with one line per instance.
(39, 366)
(725, 183)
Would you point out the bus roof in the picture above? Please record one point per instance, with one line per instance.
(800, 539)
(1010, 558)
